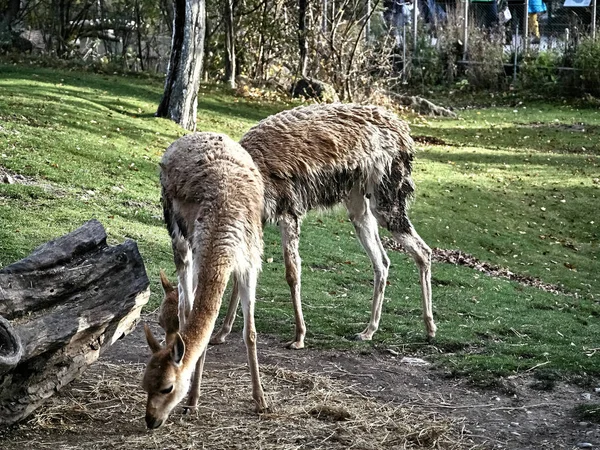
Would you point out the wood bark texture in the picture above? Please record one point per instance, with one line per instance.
(421, 105)
(60, 308)
(180, 99)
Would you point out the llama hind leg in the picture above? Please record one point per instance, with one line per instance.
(389, 205)
(414, 245)
(367, 233)
(247, 289)
(221, 335)
(290, 237)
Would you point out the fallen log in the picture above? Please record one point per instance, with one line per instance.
(60, 308)
(421, 105)
(417, 104)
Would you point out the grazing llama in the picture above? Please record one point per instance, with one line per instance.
(212, 195)
(321, 155)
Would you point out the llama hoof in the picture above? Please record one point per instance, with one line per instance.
(263, 408)
(360, 337)
(187, 410)
(295, 345)
(217, 340)
(431, 329)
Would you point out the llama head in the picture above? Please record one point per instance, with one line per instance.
(166, 379)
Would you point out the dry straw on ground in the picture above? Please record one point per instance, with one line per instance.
(105, 409)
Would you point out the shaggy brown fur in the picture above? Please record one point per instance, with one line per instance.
(312, 157)
(321, 155)
(212, 196)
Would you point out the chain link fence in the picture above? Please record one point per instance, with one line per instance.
(444, 40)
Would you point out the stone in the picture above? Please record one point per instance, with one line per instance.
(414, 361)
(7, 179)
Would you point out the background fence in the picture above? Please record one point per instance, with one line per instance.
(357, 46)
(474, 36)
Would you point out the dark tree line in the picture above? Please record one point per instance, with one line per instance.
(273, 42)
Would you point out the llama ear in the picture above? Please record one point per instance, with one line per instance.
(178, 350)
(152, 342)
(166, 284)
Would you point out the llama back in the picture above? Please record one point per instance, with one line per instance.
(196, 162)
(311, 157)
(212, 195)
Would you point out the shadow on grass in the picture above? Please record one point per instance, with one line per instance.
(531, 138)
(531, 161)
(111, 100)
(108, 84)
(242, 110)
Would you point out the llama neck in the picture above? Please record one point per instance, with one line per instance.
(202, 318)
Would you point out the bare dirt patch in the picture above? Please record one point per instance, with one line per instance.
(320, 399)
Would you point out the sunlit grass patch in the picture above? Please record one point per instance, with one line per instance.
(516, 189)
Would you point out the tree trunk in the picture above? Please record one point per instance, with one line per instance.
(138, 27)
(180, 99)
(207, 35)
(59, 309)
(260, 56)
(324, 17)
(8, 15)
(302, 43)
(166, 11)
(229, 43)
(368, 22)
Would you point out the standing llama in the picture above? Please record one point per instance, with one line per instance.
(321, 155)
(212, 195)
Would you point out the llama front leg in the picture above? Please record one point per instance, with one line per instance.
(414, 245)
(219, 337)
(182, 254)
(247, 289)
(194, 393)
(367, 233)
(290, 238)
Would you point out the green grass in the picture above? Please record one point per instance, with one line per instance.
(589, 412)
(518, 189)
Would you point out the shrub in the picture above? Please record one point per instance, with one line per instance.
(485, 54)
(587, 61)
(427, 67)
(486, 49)
(539, 71)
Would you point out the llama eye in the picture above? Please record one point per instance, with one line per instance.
(167, 390)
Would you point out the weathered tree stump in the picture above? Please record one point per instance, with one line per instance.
(312, 88)
(62, 306)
